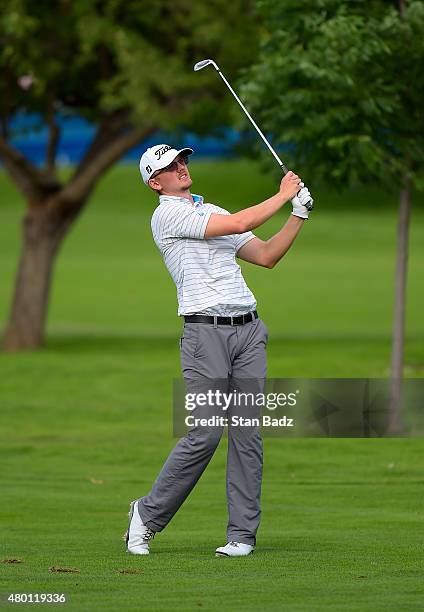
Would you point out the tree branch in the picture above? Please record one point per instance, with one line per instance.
(80, 185)
(31, 182)
(53, 141)
(6, 103)
(108, 146)
(108, 130)
(4, 127)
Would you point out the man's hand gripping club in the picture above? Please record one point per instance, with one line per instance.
(289, 189)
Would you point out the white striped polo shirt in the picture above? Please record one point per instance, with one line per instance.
(206, 274)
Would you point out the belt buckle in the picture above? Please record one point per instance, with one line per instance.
(231, 321)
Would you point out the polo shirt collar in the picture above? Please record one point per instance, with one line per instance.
(198, 199)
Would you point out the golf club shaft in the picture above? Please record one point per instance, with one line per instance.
(280, 163)
(209, 62)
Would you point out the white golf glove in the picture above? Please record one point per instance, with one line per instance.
(299, 201)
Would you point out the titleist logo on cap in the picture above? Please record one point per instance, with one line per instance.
(161, 151)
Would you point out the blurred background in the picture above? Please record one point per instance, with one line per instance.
(87, 87)
(88, 310)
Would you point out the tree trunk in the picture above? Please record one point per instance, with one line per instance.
(43, 233)
(395, 406)
(53, 208)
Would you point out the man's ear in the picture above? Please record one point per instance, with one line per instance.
(154, 184)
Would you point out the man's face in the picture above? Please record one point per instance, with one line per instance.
(173, 179)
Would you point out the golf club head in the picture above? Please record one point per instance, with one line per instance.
(203, 63)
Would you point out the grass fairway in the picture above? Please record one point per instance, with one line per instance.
(86, 421)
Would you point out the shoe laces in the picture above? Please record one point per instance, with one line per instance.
(148, 535)
(233, 544)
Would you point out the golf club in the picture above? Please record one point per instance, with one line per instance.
(208, 62)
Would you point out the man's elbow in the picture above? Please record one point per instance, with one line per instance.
(269, 264)
(265, 261)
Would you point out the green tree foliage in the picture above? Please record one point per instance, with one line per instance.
(100, 57)
(342, 81)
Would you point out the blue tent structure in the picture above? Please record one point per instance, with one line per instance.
(30, 134)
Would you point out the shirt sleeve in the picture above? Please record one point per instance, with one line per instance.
(179, 221)
(242, 239)
(238, 239)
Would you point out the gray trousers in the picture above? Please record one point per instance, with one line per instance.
(226, 358)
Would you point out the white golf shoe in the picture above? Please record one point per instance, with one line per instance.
(138, 535)
(234, 549)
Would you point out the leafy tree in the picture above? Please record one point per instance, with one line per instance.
(124, 65)
(342, 81)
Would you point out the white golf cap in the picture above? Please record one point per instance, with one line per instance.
(158, 157)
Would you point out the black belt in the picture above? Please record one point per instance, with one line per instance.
(240, 320)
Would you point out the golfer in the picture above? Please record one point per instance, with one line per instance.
(224, 340)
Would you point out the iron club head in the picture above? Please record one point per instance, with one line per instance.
(203, 63)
